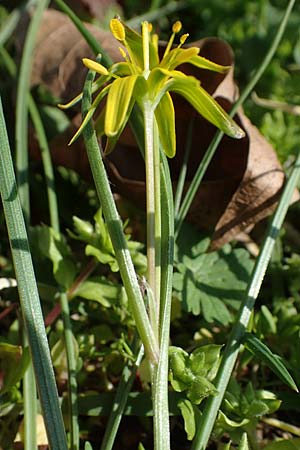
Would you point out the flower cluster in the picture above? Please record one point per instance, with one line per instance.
(144, 79)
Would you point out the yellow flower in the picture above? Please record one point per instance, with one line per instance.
(144, 79)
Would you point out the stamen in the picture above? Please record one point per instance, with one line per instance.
(183, 38)
(155, 41)
(93, 65)
(123, 53)
(117, 29)
(145, 37)
(175, 28)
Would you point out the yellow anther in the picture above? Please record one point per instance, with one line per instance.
(117, 29)
(177, 27)
(183, 38)
(93, 65)
(155, 40)
(150, 27)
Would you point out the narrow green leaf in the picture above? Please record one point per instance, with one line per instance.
(273, 361)
(96, 85)
(165, 118)
(191, 90)
(244, 443)
(203, 63)
(90, 113)
(29, 297)
(178, 56)
(118, 102)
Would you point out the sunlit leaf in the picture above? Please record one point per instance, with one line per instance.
(118, 101)
(203, 63)
(165, 118)
(90, 113)
(178, 56)
(191, 90)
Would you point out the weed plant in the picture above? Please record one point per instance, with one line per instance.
(108, 326)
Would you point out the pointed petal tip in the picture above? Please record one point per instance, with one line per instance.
(238, 133)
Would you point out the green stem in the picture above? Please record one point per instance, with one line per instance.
(10, 24)
(194, 186)
(30, 406)
(157, 200)
(54, 221)
(22, 108)
(29, 385)
(160, 384)
(232, 348)
(151, 216)
(124, 388)
(115, 228)
(183, 170)
(72, 372)
(29, 297)
(90, 39)
(47, 163)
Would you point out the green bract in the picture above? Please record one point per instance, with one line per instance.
(143, 79)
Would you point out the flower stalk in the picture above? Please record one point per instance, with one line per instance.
(145, 80)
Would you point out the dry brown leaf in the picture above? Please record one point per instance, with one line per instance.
(244, 179)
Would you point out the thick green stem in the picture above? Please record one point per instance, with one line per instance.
(160, 382)
(157, 200)
(151, 215)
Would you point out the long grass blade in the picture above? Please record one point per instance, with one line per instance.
(22, 108)
(29, 297)
(232, 348)
(120, 400)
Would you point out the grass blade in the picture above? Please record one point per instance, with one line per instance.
(232, 348)
(29, 297)
(22, 108)
(120, 400)
(90, 39)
